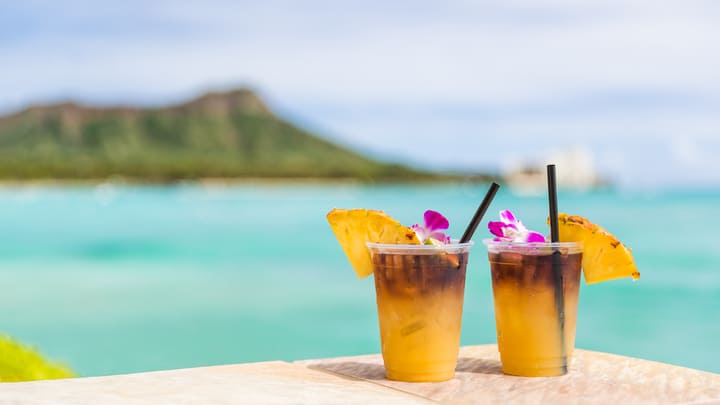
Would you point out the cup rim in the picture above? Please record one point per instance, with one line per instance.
(400, 249)
(533, 248)
(501, 244)
(453, 245)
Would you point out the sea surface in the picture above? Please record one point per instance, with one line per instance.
(116, 279)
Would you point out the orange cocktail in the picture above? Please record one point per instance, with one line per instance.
(535, 289)
(420, 290)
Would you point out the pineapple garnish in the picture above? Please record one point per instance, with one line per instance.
(354, 228)
(604, 257)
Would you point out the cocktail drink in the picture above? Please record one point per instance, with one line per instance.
(536, 285)
(535, 289)
(420, 290)
(420, 285)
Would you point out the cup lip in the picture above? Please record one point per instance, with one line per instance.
(455, 246)
(533, 248)
(501, 244)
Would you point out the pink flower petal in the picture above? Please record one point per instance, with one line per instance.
(535, 237)
(435, 220)
(439, 236)
(510, 229)
(507, 216)
(421, 232)
(496, 228)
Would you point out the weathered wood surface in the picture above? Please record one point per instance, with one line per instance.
(594, 378)
(252, 383)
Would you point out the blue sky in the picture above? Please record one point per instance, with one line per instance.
(459, 84)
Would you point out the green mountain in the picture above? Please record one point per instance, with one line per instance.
(227, 135)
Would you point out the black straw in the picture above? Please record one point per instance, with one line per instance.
(552, 197)
(556, 260)
(480, 213)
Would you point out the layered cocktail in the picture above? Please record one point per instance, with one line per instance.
(420, 290)
(536, 284)
(420, 286)
(535, 289)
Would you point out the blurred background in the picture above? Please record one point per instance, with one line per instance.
(166, 166)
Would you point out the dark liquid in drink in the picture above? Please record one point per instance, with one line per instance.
(529, 307)
(420, 301)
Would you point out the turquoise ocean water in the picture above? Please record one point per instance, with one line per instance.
(122, 279)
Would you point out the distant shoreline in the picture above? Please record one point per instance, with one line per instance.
(210, 181)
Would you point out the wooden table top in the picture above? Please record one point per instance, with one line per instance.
(594, 378)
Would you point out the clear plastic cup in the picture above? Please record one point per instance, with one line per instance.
(535, 305)
(420, 291)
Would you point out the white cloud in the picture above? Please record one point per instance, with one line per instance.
(401, 54)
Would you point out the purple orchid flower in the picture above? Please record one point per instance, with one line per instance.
(429, 232)
(510, 229)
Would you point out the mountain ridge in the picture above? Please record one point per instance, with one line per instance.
(231, 134)
(244, 99)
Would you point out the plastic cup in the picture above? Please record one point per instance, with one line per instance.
(535, 289)
(420, 291)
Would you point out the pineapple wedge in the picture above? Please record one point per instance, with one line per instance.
(604, 257)
(353, 228)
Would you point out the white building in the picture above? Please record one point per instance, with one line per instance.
(574, 167)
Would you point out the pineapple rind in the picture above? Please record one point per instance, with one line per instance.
(354, 228)
(604, 257)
